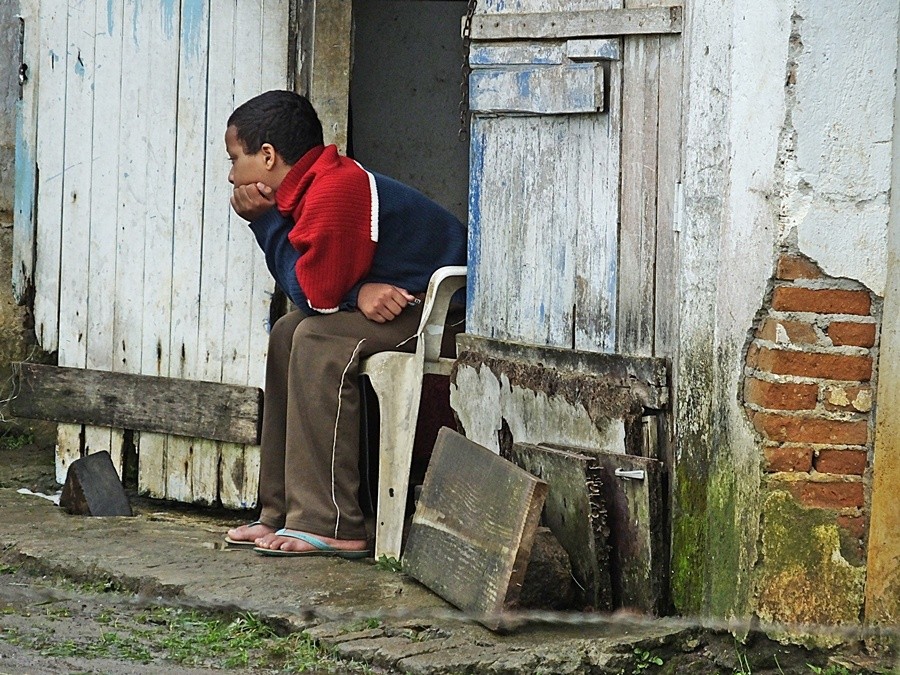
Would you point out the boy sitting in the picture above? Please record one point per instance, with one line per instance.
(352, 249)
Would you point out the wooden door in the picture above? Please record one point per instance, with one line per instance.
(574, 173)
(136, 262)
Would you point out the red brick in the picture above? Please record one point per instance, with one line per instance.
(792, 267)
(786, 429)
(798, 332)
(821, 301)
(855, 526)
(848, 333)
(788, 459)
(812, 364)
(845, 462)
(829, 495)
(781, 395)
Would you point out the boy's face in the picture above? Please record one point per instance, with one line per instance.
(247, 169)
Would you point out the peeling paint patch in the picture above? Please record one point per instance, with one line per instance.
(167, 7)
(110, 17)
(192, 21)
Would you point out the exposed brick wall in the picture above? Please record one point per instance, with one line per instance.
(808, 391)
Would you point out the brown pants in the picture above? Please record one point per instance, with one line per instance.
(309, 464)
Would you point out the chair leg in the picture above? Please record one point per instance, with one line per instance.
(399, 387)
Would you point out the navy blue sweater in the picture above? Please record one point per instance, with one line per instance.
(416, 236)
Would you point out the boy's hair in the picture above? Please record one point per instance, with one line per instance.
(285, 120)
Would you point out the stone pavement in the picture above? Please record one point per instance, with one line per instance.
(178, 555)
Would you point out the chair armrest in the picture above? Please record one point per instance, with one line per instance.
(443, 284)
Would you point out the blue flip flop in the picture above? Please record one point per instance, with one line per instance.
(321, 548)
(242, 543)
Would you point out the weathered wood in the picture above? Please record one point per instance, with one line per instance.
(598, 49)
(159, 404)
(51, 94)
(646, 376)
(93, 488)
(638, 529)
(516, 53)
(671, 93)
(325, 63)
(583, 23)
(545, 90)
(524, 219)
(473, 528)
(25, 196)
(637, 238)
(575, 514)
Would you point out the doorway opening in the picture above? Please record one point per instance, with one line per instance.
(405, 96)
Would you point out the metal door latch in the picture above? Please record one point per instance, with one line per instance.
(632, 474)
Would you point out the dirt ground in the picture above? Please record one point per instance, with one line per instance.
(50, 624)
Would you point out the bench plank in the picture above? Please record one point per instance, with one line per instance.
(210, 410)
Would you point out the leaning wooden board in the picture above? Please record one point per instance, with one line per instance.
(473, 528)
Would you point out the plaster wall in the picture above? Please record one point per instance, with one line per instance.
(787, 138)
(838, 165)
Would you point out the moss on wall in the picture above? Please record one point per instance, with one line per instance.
(802, 577)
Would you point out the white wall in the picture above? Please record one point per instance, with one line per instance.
(838, 171)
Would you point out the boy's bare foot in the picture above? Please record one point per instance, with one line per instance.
(249, 533)
(276, 542)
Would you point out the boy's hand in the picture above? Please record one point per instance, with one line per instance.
(251, 201)
(382, 302)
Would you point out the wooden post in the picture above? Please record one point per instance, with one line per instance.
(882, 578)
(324, 73)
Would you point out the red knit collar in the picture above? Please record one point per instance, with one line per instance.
(288, 194)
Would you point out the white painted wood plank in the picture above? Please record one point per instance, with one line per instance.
(516, 53)
(574, 23)
(232, 469)
(241, 246)
(53, 17)
(100, 350)
(236, 250)
(76, 206)
(250, 488)
(68, 449)
(178, 464)
(205, 457)
(76, 215)
(596, 243)
(134, 212)
(26, 156)
(217, 191)
(151, 471)
(546, 90)
(187, 251)
(637, 240)
(671, 91)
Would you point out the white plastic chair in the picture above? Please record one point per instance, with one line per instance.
(397, 379)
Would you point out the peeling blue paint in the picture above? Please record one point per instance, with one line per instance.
(135, 16)
(79, 66)
(476, 179)
(523, 82)
(24, 195)
(110, 17)
(192, 21)
(54, 58)
(167, 7)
